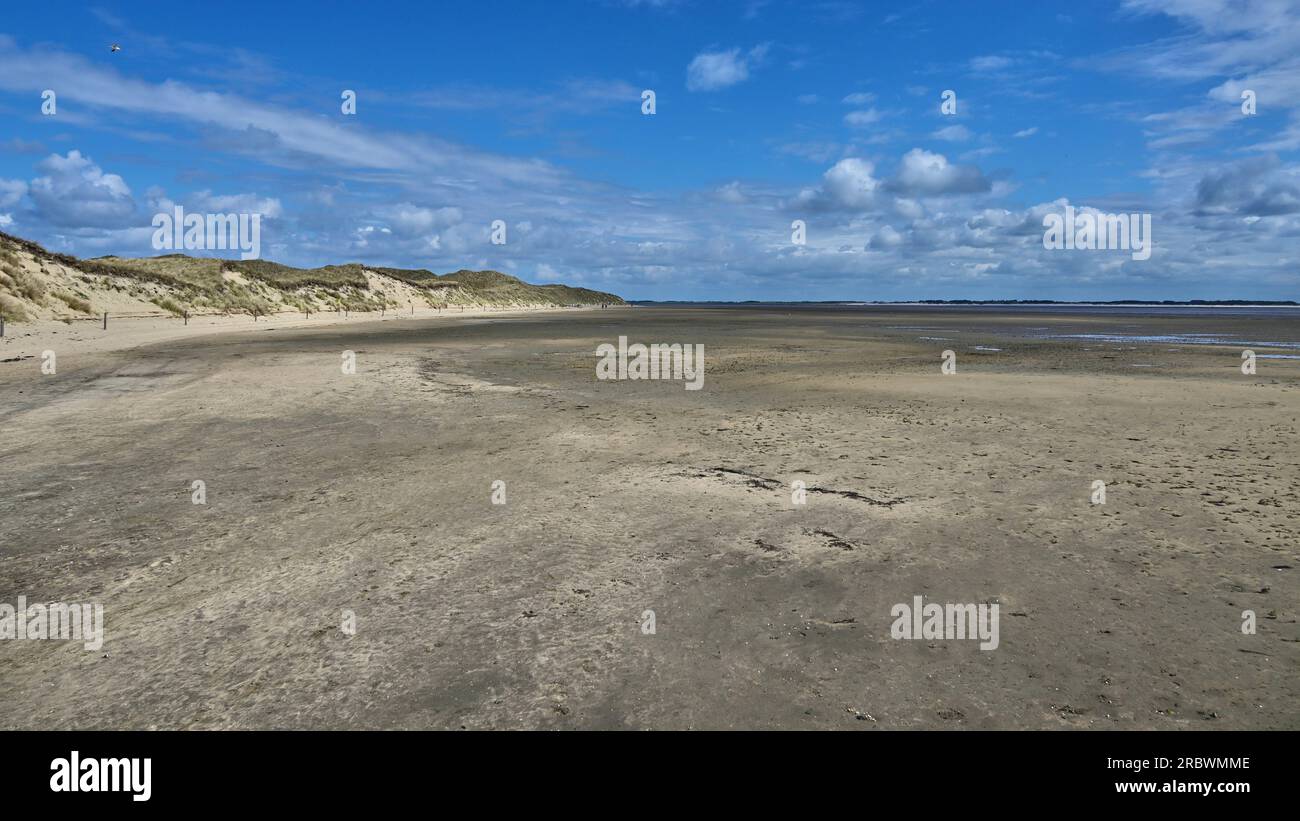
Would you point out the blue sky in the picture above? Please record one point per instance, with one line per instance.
(766, 113)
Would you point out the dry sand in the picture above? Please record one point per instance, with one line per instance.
(94, 335)
(371, 493)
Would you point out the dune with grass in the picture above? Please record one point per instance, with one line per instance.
(37, 284)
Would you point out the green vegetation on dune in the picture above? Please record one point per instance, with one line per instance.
(569, 295)
(288, 278)
(418, 277)
(505, 289)
(177, 270)
(482, 279)
(179, 284)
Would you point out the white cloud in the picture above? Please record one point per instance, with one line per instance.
(923, 173)
(852, 185)
(953, 133)
(277, 134)
(407, 220)
(850, 182)
(886, 237)
(862, 119)
(908, 208)
(714, 70)
(235, 203)
(1256, 187)
(1242, 44)
(409, 199)
(11, 191)
(1026, 132)
(730, 193)
(991, 63)
(75, 193)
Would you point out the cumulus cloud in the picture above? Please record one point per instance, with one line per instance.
(11, 191)
(923, 174)
(888, 224)
(885, 238)
(850, 183)
(1256, 187)
(74, 193)
(407, 220)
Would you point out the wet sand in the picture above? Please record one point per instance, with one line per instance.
(372, 493)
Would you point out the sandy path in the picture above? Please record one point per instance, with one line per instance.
(371, 493)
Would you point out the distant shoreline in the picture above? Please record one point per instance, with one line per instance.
(1135, 303)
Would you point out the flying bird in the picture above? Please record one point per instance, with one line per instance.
(115, 47)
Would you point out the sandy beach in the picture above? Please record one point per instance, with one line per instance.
(94, 336)
(371, 494)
